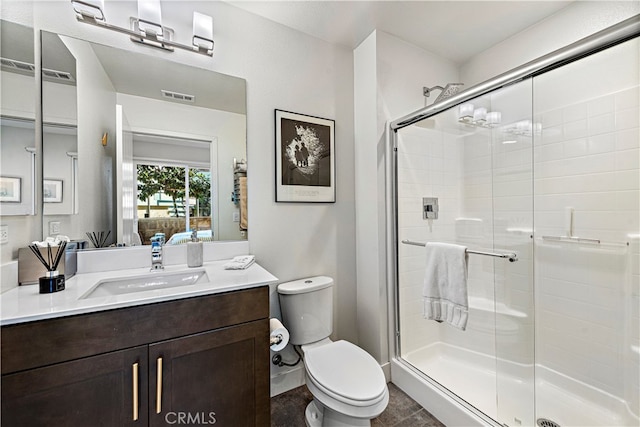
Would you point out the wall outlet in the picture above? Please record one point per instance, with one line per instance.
(4, 234)
(54, 228)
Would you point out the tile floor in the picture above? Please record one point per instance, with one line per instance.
(287, 410)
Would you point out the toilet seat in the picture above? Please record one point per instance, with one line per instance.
(346, 373)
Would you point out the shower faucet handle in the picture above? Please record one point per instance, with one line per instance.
(430, 208)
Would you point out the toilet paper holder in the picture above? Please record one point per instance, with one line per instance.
(278, 335)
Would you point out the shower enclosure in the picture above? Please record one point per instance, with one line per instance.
(546, 166)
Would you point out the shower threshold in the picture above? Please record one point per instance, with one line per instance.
(472, 376)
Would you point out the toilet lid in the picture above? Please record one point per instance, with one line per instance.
(346, 370)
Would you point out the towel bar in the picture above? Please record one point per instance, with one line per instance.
(511, 257)
(574, 239)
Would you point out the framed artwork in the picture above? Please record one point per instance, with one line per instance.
(10, 189)
(52, 190)
(305, 158)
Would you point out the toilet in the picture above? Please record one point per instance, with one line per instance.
(347, 384)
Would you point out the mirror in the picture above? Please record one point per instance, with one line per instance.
(17, 122)
(59, 133)
(138, 148)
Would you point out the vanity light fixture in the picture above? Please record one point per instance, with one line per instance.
(478, 116)
(202, 32)
(89, 8)
(150, 18)
(147, 28)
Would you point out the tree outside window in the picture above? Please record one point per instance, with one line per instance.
(170, 181)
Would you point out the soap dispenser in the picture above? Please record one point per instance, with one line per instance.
(194, 251)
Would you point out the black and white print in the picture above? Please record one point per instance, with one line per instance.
(304, 158)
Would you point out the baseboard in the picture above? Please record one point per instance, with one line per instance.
(386, 368)
(288, 380)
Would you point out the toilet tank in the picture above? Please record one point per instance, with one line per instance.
(307, 309)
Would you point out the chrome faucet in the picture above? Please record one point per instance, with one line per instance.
(156, 256)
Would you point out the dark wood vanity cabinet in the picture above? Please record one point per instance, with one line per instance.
(195, 361)
(90, 391)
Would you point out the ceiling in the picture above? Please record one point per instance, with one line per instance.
(146, 75)
(16, 41)
(456, 30)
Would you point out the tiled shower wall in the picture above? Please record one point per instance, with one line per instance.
(587, 158)
(442, 159)
(429, 165)
(480, 187)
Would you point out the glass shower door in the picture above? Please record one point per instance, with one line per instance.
(512, 199)
(482, 181)
(587, 198)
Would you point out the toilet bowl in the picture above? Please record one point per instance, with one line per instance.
(347, 383)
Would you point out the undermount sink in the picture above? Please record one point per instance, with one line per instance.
(147, 282)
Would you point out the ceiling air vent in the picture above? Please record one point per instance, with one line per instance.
(57, 76)
(17, 66)
(25, 68)
(182, 97)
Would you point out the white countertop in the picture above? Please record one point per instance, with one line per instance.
(25, 303)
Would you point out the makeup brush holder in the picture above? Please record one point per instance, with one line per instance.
(51, 282)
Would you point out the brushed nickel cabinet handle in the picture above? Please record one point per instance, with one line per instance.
(159, 385)
(135, 392)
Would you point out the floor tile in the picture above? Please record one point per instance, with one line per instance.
(287, 410)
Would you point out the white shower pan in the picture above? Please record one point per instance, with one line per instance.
(567, 402)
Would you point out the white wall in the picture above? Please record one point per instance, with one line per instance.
(390, 75)
(60, 103)
(576, 21)
(16, 162)
(96, 116)
(59, 107)
(18, 95)
(58, 166)
(18, 100)
(369, 233)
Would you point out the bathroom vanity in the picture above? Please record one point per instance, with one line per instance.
(203, 358)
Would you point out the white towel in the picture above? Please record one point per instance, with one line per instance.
(240, 262)
(445, 284)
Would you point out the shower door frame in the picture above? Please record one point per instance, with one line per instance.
(619, 33)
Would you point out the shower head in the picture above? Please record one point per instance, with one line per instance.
(449, 90)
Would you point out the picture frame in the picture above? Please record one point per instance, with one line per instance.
(305, 158)
(52, 191)
(10, 189)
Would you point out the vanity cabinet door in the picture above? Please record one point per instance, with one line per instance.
(219, 377)
(93, 391)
